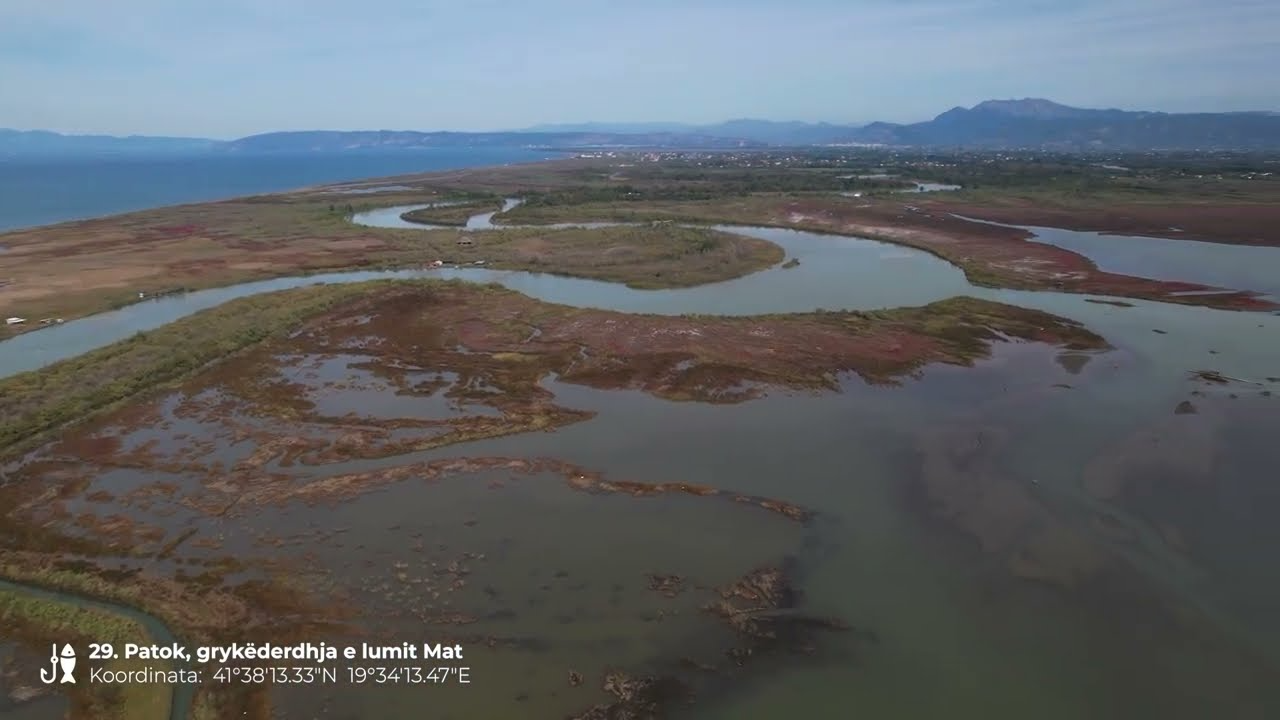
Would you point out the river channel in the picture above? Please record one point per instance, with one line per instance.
(957, 634)
(835, 273)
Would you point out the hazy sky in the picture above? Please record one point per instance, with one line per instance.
(225, 68)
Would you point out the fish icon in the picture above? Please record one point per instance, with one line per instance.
(68, 663)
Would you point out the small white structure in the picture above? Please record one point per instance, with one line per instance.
(15, 321)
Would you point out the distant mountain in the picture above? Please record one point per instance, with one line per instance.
(43, 142)
(1004, 124)
(772, 132)
(993, 124)
(330, 140)
(1038, 123)
(1037, 108)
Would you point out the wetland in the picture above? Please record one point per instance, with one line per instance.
(874, 479)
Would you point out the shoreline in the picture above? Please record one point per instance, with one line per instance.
(306, 231)
(367, 171)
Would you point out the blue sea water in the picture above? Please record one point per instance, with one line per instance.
(40, 191)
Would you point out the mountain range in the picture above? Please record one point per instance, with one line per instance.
(44, 142)
(1007, 124)
(1039, 123)
(994, 124)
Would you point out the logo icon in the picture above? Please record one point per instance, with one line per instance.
(68, 662)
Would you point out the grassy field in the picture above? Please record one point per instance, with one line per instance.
(651, 257)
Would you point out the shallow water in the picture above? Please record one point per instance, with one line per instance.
(960, 633)
(953, 624)
(545, 563)
(835, 273)
(956, 626)
(1239, 267)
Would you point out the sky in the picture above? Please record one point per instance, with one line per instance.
(228, 68)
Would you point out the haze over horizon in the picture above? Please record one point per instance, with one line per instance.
(234, 68)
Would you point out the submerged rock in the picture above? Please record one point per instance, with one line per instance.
(666, 585)
(637, 698)
(761, 608)
(1185, 408)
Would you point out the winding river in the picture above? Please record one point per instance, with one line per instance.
(834, 273)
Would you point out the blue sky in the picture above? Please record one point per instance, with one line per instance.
(225, 68)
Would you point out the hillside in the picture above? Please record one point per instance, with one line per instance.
(1041, 123)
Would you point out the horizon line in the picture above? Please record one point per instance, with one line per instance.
(544, 126)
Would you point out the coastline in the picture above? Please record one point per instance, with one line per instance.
(41, 191)
(105, 262)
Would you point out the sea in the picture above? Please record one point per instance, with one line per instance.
(44, 190)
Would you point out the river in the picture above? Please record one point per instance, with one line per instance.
(957, 637)
(835, 273)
